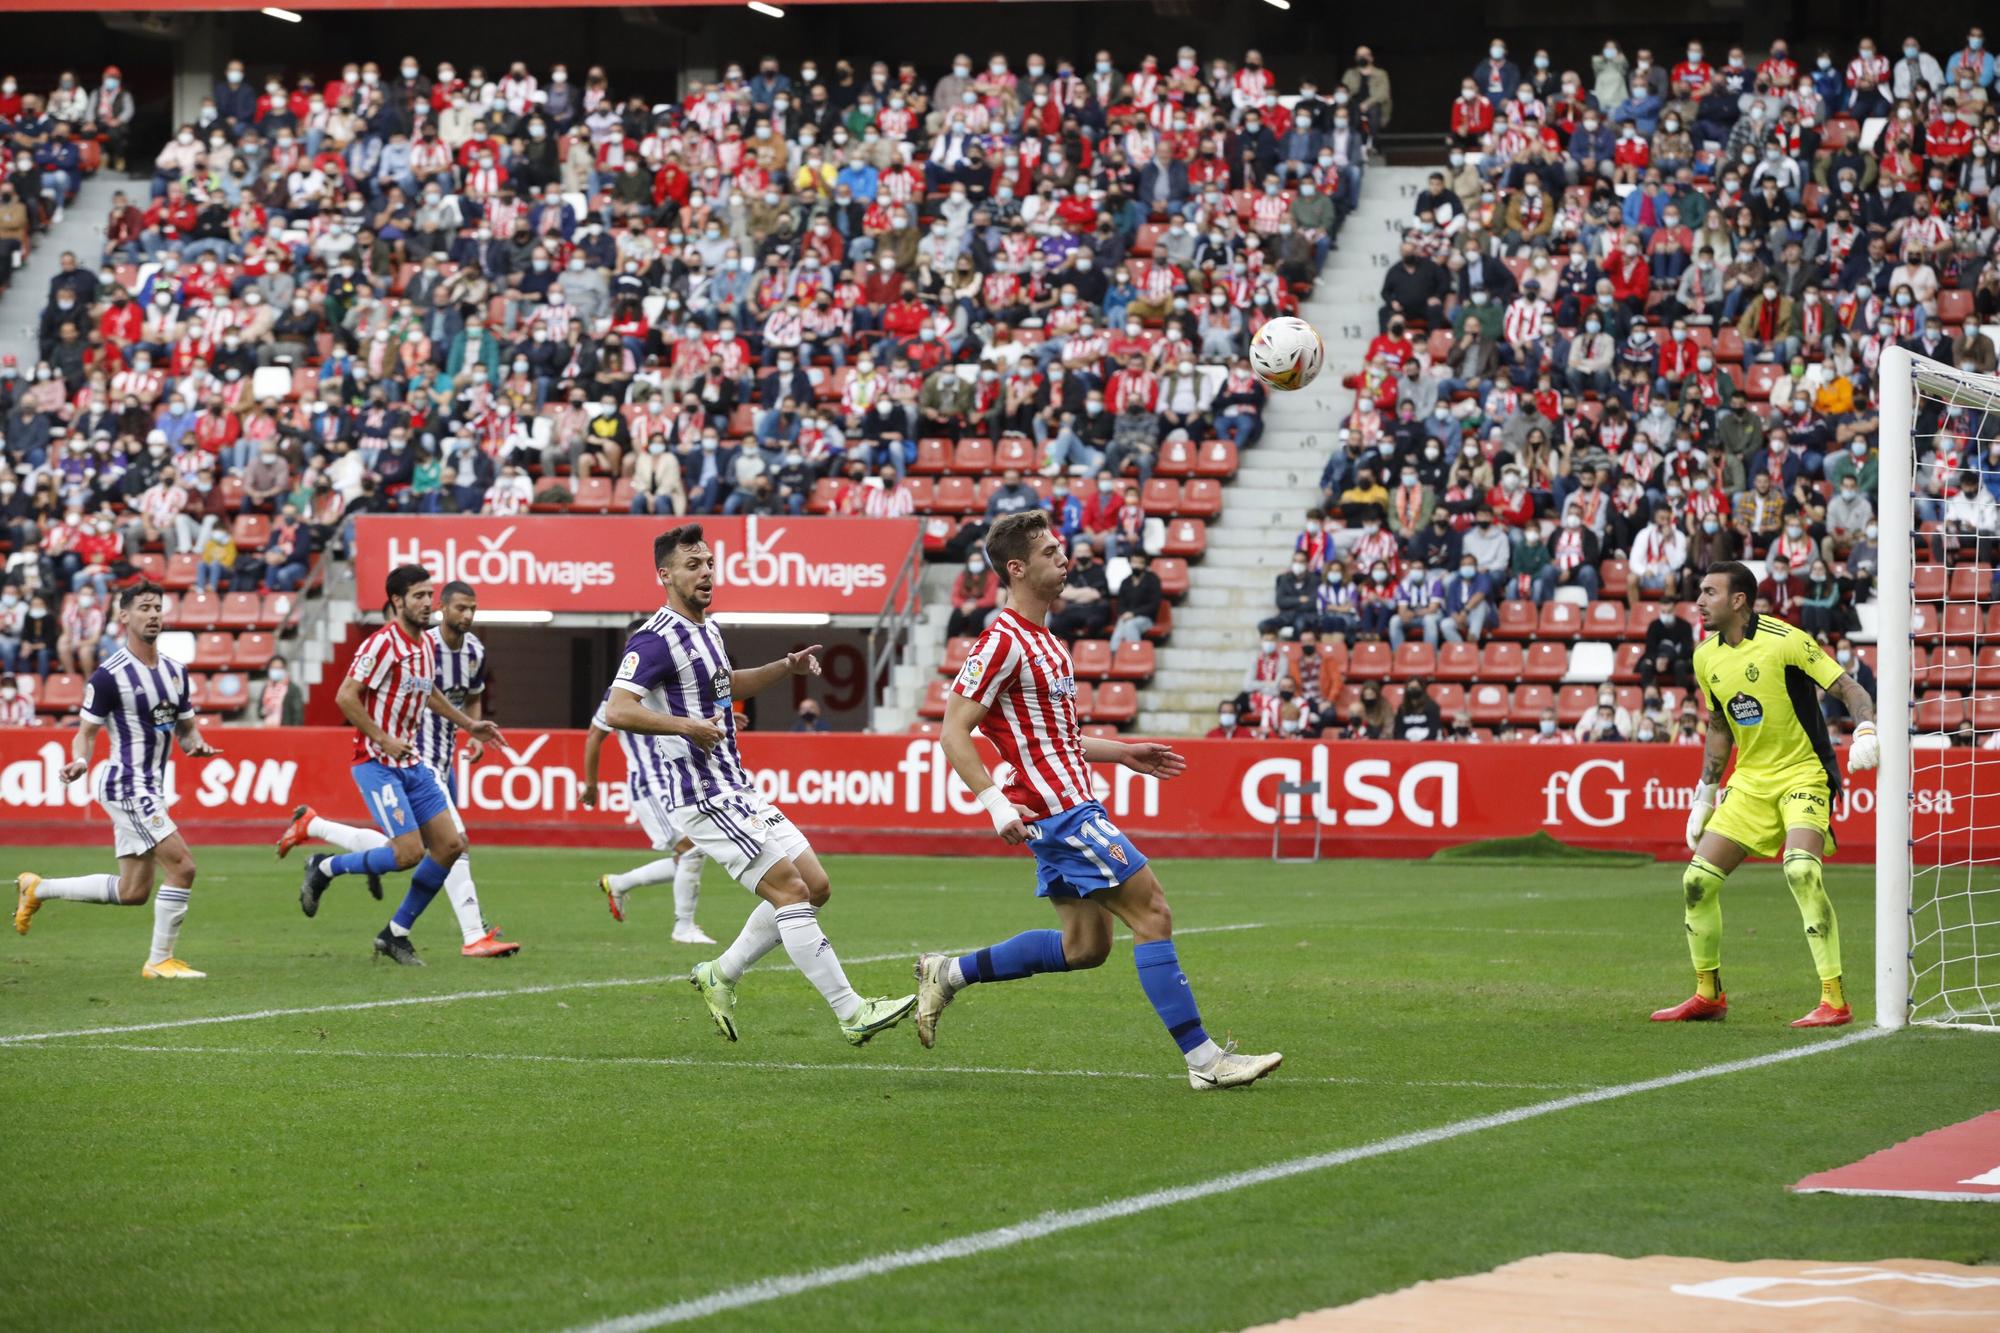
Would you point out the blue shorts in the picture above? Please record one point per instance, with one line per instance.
(402, 800)
(1079, 852)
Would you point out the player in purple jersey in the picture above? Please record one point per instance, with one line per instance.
(673, 691)
(140, 699)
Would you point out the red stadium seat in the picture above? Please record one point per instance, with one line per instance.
(593, 496)
(955, 653)
(1173, 574)
(933, 706)
(1099, 731)
(152, 568)
(954, 496)
(1614, 574)
(1177, 458)
(1202, 498)
(1086, 701)
(972, 457)
(824, 490)
(1133, 661)
(252, 532)
(1449, 698)
(1935, 712)
(198, 611)
(1961, 621)
(1986, 712)
(933, 458)
(1014, 451)
(1528, 703)
(1559, 620)
(1762, 376)
(1163, 624)
(923, 493)
(1187, 537)
(213, 652)
(1117, 703)
(1413, 660)
(1517, 621)
(1604, 621)
(1923, 622)
(1489, 704)
(1091, 658)
(1502, 662)
(1729, 345)
(274, 608)
(1954, 305)
(1971, 583)
(1928, 582)
(61, 692)
(1625, 664)
(1161, 497)
(1458, 661)
(1950, 667)
(1986, 670)
(1573, 701)
(1547, 662)
(240, 610)
(1216, 458)
(1369, 661)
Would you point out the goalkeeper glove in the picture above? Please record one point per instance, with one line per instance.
(1704, 806)
(1865, 751)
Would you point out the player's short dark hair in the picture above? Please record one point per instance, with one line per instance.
(129, 597)
(664, 545)
(401, 579)
(459, 588)
(1013, 537)
(1740, 579)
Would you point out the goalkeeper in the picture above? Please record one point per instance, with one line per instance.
(1759, 673)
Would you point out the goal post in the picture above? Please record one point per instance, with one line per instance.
(1937, 793)
(1895, 474)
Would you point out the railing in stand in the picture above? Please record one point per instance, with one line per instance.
(892, 625)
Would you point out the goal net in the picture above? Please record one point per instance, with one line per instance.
(1938, 696)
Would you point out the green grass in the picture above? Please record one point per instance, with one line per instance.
(293, 1172)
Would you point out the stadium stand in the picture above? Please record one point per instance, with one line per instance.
(1631, 331)
(443, 292)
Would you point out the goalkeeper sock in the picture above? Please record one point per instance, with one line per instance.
(1029, 952)
(1702, 883)
(1802, 877)
(1708, 982)
(1830, 992)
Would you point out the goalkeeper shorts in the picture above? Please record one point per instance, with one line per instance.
(1757, 822)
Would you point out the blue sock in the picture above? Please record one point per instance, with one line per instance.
(374, 861)
(1160, 976)
(1029, 952)
(425, 882)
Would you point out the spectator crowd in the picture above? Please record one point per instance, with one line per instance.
(439, 288)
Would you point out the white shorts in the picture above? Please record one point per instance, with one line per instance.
(653, 820)
(140, 824)
(741, 832)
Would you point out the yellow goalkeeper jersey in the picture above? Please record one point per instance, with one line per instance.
(1764, 687)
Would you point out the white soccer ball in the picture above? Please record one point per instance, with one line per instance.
(1287, 353)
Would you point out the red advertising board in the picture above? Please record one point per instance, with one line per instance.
(867, 793)
(604, 564)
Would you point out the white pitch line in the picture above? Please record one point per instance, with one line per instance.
(1048, 1224)
(788, 1066)
(404, 1001)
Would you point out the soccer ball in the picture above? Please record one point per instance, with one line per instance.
(1287, 353)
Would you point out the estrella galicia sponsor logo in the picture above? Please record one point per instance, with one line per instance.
(1745, 711)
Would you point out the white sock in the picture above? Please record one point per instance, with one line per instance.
(80, 889)
(1203, 1055)
(758, 937)
(347, 837)
(464, 899)
(807, 946)
(170, 908)
(954, 975)
(653, 872)
(687, 887)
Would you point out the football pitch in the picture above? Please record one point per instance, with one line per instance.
(561, 1140)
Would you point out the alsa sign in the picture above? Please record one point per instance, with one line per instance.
(571, 563)
(868, 793)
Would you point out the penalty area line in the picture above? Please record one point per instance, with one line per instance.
(452, 997)
(769, 1289)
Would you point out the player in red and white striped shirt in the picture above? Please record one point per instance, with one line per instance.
(1018, 689)
(391, 682)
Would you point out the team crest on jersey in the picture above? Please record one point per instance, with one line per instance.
(629, 667)
(1750, 673)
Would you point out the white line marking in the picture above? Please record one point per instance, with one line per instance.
(1935, 1196)
(1049, 1224)
(788, 1066)
(404, 1001)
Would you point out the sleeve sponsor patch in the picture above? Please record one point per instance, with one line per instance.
(629, 667)
(364, 665)
(90, 698)
(970, 674)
